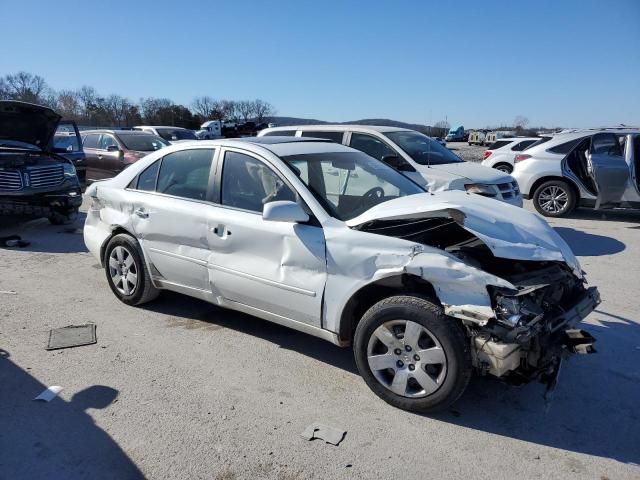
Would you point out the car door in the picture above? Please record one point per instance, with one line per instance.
(274, 267)
(90, 146)
(109, 156)
(608, 169)
(170, 216)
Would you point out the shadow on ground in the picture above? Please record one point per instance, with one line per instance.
(43, 236)
(613, 215)
(58, 439)
(588, 244)
(593, 411)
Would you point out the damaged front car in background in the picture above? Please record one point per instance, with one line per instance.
(428, 288)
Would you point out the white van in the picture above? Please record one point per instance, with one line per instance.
(417, 156)
(476, 138)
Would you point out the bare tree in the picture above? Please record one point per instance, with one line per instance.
(69, 105)
(262, 110)
(440, 129)
(230, 110)
(26, 87)
(150, 108)
(245, 109)
(520, 122)
(205, 106)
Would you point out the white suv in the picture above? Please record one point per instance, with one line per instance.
(427, 287)
(416, 156)
(501, 152)
(588, 168)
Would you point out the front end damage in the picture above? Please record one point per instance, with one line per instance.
(521, 306)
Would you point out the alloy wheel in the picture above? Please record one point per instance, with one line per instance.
(123, 270)
(553, 199)
(407, 358)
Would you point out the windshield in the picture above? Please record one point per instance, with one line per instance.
(422, 149)
(173, 134)
(65, 139)
(143, 143)
(349, 183)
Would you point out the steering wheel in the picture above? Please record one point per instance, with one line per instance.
(375, 193)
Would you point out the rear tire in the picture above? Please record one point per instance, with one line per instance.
(412, 355)
(554, 198)
(504, 167)
(126, 271)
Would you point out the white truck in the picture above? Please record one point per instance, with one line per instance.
(209, 130)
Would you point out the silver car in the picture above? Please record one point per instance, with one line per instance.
(595, 168)
(317, 236)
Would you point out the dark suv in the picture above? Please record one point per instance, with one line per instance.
(34, 179)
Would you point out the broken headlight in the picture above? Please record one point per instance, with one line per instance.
(483, 189)
(515, 310)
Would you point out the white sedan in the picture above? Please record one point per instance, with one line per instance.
(317, 236)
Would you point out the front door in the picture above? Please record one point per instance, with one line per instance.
(109, 156)
(608, 169)
(276, 267)
(170, 216)
(90, 146)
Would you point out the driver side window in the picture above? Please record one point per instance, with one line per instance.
(248, 183)
(107, 141)
(370, 145)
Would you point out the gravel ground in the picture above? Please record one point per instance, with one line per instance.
(181, 389)
(470, 153)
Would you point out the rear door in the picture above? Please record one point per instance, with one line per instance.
(608, 168)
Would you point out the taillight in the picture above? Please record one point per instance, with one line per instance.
(486, 154)
(521, 157)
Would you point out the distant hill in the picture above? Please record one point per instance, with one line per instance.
(285, 121)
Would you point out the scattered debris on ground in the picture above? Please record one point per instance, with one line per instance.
(49, 394)
(8, 292)
(319, 431)
(72, 336)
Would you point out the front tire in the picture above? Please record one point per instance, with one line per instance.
(412, 355)
(63, 218)
(126, 271)
(504, 167)
(554, 198)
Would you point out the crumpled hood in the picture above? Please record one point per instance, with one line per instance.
(474, 172)
(508, 231)
(28, 123)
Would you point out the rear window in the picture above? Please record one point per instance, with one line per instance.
(333, 136)
(281, 133)
(539, 142)
(565, 147)
(499, 144)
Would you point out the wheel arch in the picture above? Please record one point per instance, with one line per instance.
(547, 178)
(372, 293)
(115, 230)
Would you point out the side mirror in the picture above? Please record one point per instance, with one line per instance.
(284, 211)
(398, 163)
(113, 148)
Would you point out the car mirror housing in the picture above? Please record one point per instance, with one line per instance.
(284, 211)
(113, 148)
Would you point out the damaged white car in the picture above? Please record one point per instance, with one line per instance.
(428, 288)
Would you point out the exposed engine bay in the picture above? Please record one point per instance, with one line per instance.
(534, 324)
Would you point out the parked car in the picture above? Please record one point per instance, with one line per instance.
(500, 153)
(108, 152)
(320, 237)
(588, 168)
(415, 155)
(455, 134)
(476, 138)
(170, 134)
(35, 180)
(67, 142)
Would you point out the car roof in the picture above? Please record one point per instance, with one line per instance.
(281, 146)
(339, 128)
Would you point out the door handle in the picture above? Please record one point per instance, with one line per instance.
(220, 231)
(99, 157)
(141, 213)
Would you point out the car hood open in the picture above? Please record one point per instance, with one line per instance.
(474, 173)
(27, 123)
(508, 231)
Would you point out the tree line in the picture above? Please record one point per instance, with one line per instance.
(89, 108)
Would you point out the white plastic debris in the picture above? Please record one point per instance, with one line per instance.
(8, 292)
(49, 394)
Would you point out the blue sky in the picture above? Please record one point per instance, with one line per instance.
(569, 63)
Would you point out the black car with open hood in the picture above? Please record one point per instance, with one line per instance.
(34, 179)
